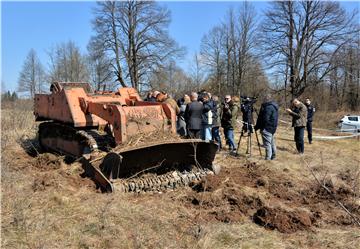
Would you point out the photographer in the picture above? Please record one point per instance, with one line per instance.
(267, 123)
(298, 112)
(230, 111)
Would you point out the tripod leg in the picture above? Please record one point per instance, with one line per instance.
(238, 147)
(257, 139)
(247, 144)
(250, 144)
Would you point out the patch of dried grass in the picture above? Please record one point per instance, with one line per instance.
(17, 122)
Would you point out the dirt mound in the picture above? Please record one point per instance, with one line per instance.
(209, 184)
(47, 161)
(226, 201)
(271, 199)
(282, 220)
(221, 198)
(229, 204)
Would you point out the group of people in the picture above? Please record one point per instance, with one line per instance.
(201, 115)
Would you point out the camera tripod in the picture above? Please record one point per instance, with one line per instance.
(248, 128)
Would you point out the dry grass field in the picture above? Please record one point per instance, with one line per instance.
(252, 203)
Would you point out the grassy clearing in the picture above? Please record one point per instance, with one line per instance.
(56, 208)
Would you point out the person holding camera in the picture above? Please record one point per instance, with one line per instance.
(298, 112)
(267, 123)
(230, 110)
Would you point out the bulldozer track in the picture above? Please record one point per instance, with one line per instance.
(91, 139)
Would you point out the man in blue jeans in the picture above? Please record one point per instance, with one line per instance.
(230, 111)
(267, 123)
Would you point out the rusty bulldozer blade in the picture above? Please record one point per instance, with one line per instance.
(158, 158)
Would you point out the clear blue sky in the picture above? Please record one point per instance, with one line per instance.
(41, 25)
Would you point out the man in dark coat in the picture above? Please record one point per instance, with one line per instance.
(207, 117)
(310, 114)
(193, 116)
(267, 123)
(230, 111)
(298, 112)
(217, 121)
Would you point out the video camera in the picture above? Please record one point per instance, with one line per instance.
(248, 100)
(247, 110)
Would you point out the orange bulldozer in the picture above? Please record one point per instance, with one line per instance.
(102, 129)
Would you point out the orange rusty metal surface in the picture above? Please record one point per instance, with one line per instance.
(76, 104)
(114, 115)
(64, 106)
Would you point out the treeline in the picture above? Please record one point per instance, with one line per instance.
(9, 96)
(308, 46)
(292, 49)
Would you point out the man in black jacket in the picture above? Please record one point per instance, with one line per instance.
(193, 116)
(267, 123)
(215, 131)
(310, 114)
(207, 117)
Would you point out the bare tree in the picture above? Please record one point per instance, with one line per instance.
(99, 66)
(300, 38)
(31, 79)
(197, 71)
(212, 54)
(136, 35)
(229, 54)
(172, 79)
(247, 32)
(67, 63)
(108, 35)
(344, 80)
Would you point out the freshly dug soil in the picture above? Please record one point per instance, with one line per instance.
(273, 201)
(282, 220)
